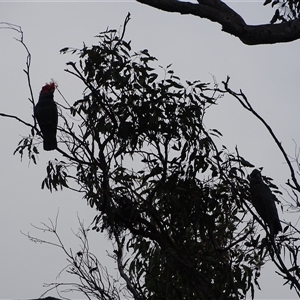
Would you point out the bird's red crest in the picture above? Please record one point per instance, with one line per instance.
(49, 87)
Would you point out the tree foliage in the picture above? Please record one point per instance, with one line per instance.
(147, 164)
(286, 17)
(286, 10)
(175, 204)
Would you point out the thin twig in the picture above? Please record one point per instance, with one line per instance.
(246, 104)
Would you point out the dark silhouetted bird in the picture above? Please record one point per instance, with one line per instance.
(46, 114)
(264, 202)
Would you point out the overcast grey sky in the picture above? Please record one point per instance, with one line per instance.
(268, 75)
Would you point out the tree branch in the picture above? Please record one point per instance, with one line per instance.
(245, 103)
(231, 22)
(18, 119)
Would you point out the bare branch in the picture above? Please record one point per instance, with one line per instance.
(18, 119)
(245, 103)
(94, 280)
(231, 22)
(17, 28)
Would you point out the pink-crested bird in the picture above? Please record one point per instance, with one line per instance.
(46, 114)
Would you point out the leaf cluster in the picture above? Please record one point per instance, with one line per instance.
(286, 10)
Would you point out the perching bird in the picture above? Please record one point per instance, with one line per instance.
(264, 203)
(46, 114)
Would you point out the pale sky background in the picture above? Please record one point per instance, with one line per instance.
(197, 49)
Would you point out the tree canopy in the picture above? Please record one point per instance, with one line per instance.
(283, 27)
(174, 201)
